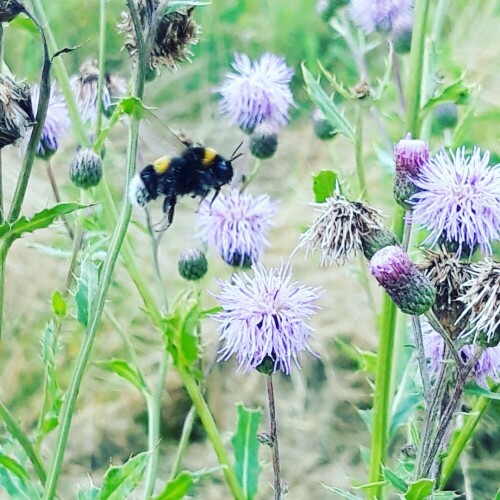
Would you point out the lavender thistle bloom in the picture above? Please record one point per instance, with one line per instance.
(459, 200)
(56, 124)
(487, 366)
(379, 15)
(235, 225)
(265, 318)
(258, 92)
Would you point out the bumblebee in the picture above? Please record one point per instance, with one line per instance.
(196, 172)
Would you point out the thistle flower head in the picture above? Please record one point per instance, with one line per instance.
(265, 318)
(481, 299)
(56, 124)
(340, 230)
(379, 15)
(447, 273)
(459, 201)
(258, 91)
(236, 226)
(176, 33)
(487, 366)
(16, 112)
(85, 89)
(410, 290)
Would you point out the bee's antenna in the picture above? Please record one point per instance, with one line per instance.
(235, 156)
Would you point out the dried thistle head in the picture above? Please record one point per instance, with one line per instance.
(448, 274)
(176, 32)
(481, 300)
(9, 10)
(16, 111)
(342, 229)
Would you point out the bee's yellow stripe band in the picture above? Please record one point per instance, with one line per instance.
(161, 164)
(208, 156)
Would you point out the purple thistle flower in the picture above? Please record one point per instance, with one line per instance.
(258, 92)
(265, 318)
(459, 200)
(235, 225)
(487, 366)
(56, 124)
(380, 15)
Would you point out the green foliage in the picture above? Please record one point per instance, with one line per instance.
(86, 290)
(246, 450)
(476, 390)
(120, 481)
(40, 220)
(324, 184)
(59, 305)
(343, 493)
(327, 105)
(179, 486)
(175, 5)
(15, 467)
(394, 480)
(16, 487)
(456, 92)
(419, 490)
(124, 370)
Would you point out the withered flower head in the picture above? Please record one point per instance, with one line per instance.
(85, 88)
(9, 9)
(482, 303)
(176, 32)
(16, 112)
(448, 274)
(342, 229)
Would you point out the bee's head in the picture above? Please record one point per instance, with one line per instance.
(223, 171)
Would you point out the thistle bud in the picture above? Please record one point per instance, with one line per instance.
(446, 115)
(322, 128)
(401, 36)
(410, 154)
(86, 169)
(410, 290)
(193, 265)
(264, 141)
(16, 112)
(376, 238)
(9, 10)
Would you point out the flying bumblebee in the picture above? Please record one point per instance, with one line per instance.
(196, 172)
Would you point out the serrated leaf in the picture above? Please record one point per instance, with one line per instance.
(15, 467)
(40, 220)
(123, 370)
(343, 493)
(476, 390)
(91, 494)
(120, 481)
(86, 290)
(133, 106)
(324, 184)
(456, 92)
(392, 478)
(209, 312)
(178, 487)
(419, 490)
(190, 342)
(246, 450)
(59, 304)
(326, 105)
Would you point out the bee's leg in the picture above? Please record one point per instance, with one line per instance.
(168, 210)
(217, 191)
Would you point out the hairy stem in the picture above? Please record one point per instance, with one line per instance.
(422, 365)
(274, 437)
(358, 154)
(102, 64)
(187, 427)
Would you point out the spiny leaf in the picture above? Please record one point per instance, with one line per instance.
(87, 285)
(476, 390)
(419, 490)
(343, 493)
(456, 92)
(180, 485)
(327, 106)
(121, 480)
(393, 479)
(15, 467)
(246, 450)
(324, 184)
(40, 220)
(123, 370)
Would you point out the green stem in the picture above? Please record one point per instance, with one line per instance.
(213, 435)
(358, 154)
(62, 76)
(183, 442)
(102, 64)
(154, 418)
(1, 181)
(414, 89)
(23, 440)
(463, 437)
(4, 249)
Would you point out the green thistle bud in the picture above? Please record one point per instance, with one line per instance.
(322, 128)
(446, 115)
(193, 265)
(376, 238)
(407, 286)
(86, 169)
(402, 37)
(264, 141)
(9, 10)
